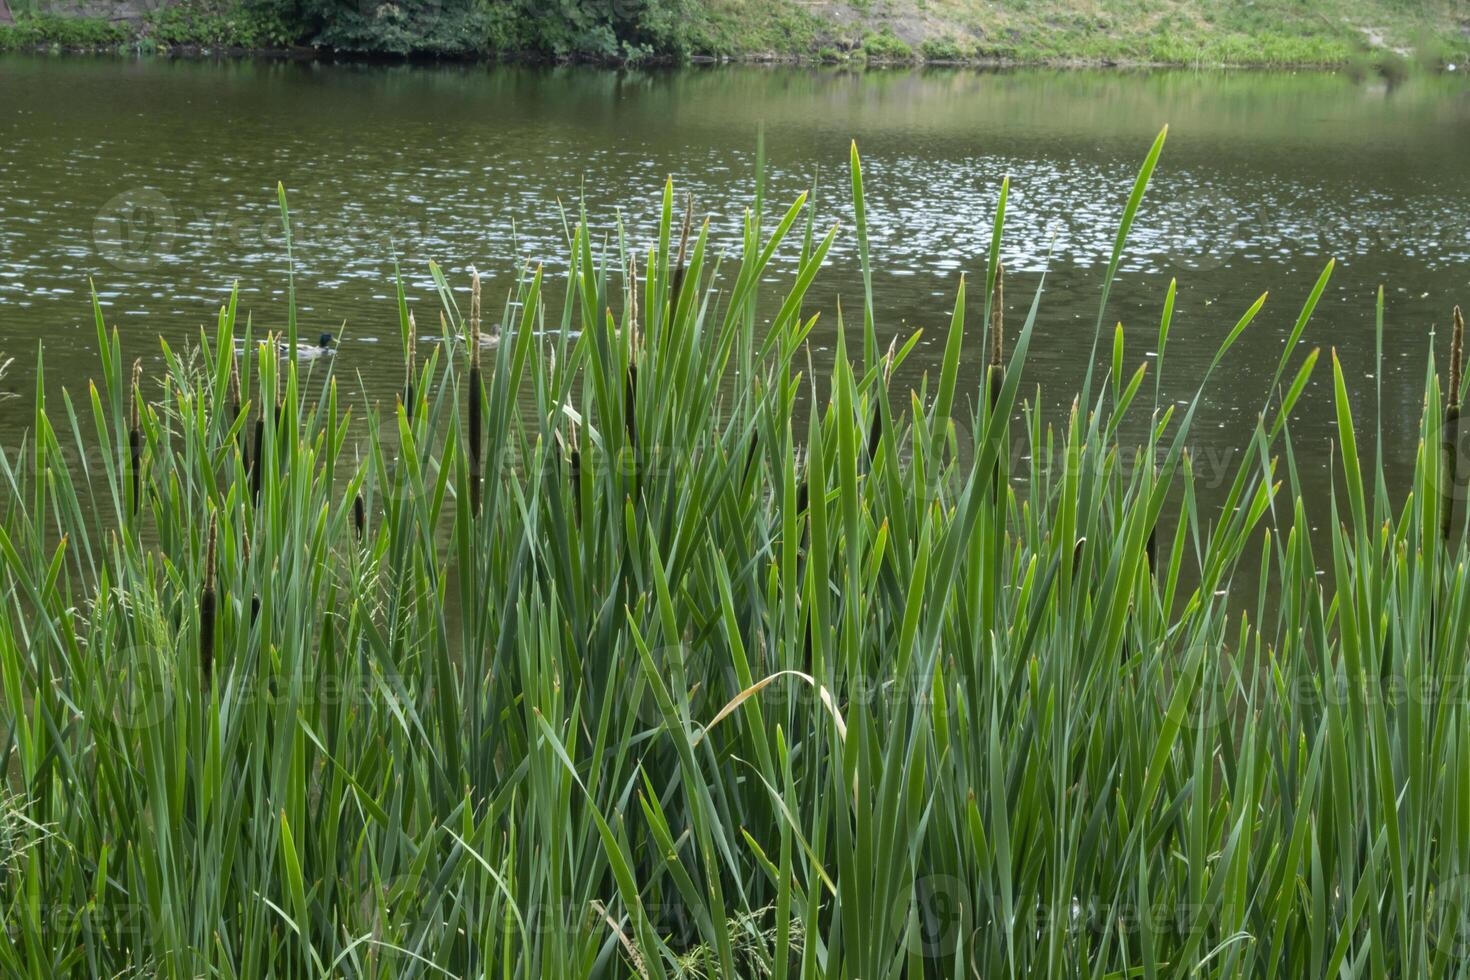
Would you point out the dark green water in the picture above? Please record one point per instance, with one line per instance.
(1265, 176)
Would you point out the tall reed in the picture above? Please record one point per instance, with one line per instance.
(411, 366)
(135, 436)
(1451, 426)
(207, 606)
(476, 392)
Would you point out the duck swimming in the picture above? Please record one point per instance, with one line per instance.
(492, 337)
(324, 346)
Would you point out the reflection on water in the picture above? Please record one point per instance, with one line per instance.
(158, 180)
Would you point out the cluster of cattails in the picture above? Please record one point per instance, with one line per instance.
(1448, 439)
(475, 394)
(206, 608)
(135, 435)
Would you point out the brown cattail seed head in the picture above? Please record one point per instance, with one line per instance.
(688, 223)
(210, 553)
(633, 298)
(474, 315)
(1457, 353)
(137, 391)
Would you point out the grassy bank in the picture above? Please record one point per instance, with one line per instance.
(626, 647)
(1385, 33)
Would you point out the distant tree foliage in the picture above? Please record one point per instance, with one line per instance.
(616, 29)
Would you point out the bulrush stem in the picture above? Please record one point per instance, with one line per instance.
(751, 453)
(630, 404)
(996, 374)
(630, 379)
(235, 399)
(676, 283)
(259, 446)
(632, 304)
(245, 572)
(1152, 550)
(236, 404)
(1450, 431)
(206, 609)
(875, 427)
(997, 371)
(411, 366)
(135, 436)
(575, 475)
(475, 393)
(1457, 354)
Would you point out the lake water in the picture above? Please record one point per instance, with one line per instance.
(1265, 176)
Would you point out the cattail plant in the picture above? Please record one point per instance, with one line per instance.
(996, 373)
(244, 567)
(752, 452)
(630, 378)
(255, 463)
(359, 516)
(206, 607)
(1151, 549)
(676, 283)
(875, 425)
(235, 400)
(411, 367)
(475, 393)
(236, 406)
(1449, 436)
(135, 436)
(575, 474)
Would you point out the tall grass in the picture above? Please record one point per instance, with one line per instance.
(715, 680)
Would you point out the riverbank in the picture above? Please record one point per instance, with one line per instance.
(1374, 35)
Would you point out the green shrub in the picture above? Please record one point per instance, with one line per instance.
(447, 27)
(942, 49)
(50, 30)
(243, 25)
(884, 46)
